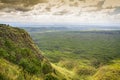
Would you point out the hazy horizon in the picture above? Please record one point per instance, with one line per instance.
(58, 25)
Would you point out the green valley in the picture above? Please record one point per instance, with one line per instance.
(84, 55)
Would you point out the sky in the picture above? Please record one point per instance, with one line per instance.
(105, 12)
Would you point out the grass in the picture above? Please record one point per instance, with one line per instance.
(109, 72)
(81, 53)
(68, 74)
(10, 71)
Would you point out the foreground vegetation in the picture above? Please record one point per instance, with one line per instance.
(20, 58)
(82, 55)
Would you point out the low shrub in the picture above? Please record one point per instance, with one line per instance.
(85, 70)
(2, 77)
(46, 68)
(108, 73)
(3, 53)
(50, 77)
(29, 66)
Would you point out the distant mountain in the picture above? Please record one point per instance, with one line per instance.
(51, 28)
(45, 28)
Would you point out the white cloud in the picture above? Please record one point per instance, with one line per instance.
(62, 12)
(111, 3)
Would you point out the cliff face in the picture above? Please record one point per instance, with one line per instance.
(18, 49)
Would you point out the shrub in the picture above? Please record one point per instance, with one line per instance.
(26, 52)
(46, 68)
(8, 43)
(85, 70)
(97, 63)
(108, 73)
(67, 64)
(3, 53)
(2, 77)
(50, 77)
(29, 66)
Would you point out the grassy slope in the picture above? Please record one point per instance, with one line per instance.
(10, 71)
(84, 53)
(21, 58)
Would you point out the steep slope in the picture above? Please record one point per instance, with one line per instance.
(20, 59)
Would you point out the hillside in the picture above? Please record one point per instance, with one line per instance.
(20, 58)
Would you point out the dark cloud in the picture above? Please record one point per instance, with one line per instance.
(62, 12)
(25, 2)
(100, 4)
(116, 11)
(21, 5)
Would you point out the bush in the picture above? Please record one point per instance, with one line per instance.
(46, 68)
(26, 52)
(50, 77)
(96, 63)
(9, 44)
(67, 64)
(29, 66)
(85, 70)
(3, 53)
(108, 73)
(2, 77)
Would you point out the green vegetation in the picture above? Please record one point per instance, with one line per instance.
(50, 77)
(74, 55)
(109, 72)
(84, 55)
(20, 58)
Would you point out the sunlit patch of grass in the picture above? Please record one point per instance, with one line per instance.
(109, 72)
(10, 71)
(68, 74)
(84, 70)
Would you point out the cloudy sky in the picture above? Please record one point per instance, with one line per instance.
(60, 11)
